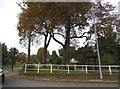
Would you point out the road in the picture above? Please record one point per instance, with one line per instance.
(30, 83)
(9, 69)
(9, 82)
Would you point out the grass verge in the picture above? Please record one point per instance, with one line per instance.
(14, 66)
(31, 72)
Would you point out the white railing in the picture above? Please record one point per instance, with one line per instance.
(86, 68)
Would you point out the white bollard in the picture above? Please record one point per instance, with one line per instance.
(51, 68)
(38, 69)
(86, 69)
(68, 69)
(25, 68)
(110, 70)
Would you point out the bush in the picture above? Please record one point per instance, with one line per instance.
(30, 66)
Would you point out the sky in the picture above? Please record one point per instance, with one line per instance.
(9, 11)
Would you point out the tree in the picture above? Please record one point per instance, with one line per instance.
(54, 58)
(21, 57)
(117, 59)
(118, 30)
(40, 55)
(0, 54)
(51, 16)
(34, 58)
(105, 24)
(72, 52)
(34, 14)
(12, 53)
(5, 59)
(118, 55)
(80, 54)
(26, 26)
(71, 22)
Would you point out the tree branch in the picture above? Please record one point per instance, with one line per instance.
(79, 36)
(47, 42)
(59, 34)
(57, 40)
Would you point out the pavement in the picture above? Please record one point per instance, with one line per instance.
(15, 75)
(10, 82)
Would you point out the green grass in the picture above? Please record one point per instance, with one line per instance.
(48, 72)
(64, 72)
(14, 66)
(55, 71)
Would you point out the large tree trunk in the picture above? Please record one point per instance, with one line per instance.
(46, 44)
(67, 45)
(29, 45)
(64, 56)
(45, 54)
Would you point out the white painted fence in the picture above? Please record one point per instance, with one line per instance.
(86, 68)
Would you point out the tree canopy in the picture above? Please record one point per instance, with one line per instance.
(66, 22)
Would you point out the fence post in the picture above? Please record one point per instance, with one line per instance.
(93, 68)
(82, 68)
(25, 68)
(38, 69)
(86, 69)
(51, 68)
(110, 70)
(68, 69)
(74, 67)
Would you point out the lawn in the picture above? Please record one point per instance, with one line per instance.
(14, 66)
(62, 72)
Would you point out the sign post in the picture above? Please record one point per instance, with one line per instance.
(96, 38)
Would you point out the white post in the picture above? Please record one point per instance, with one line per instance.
(51, 68)
(68, 69)
(86, 69)
(25, 68)
(82, 68)
(96, 37)
(93, 68)
(38, 68)
(110, 70)
(74, 67)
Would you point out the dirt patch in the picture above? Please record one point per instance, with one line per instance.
(66, 77)
(12, 73)
(71, 78)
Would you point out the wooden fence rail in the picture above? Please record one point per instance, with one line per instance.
(86, 68)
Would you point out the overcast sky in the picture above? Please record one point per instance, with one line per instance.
(8, 21)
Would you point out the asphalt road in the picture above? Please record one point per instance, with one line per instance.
(9, 69)
(30, 83)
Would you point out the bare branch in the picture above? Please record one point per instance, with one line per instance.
(59, 34)
(79, 36)
(57, 40)
(49, 39)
